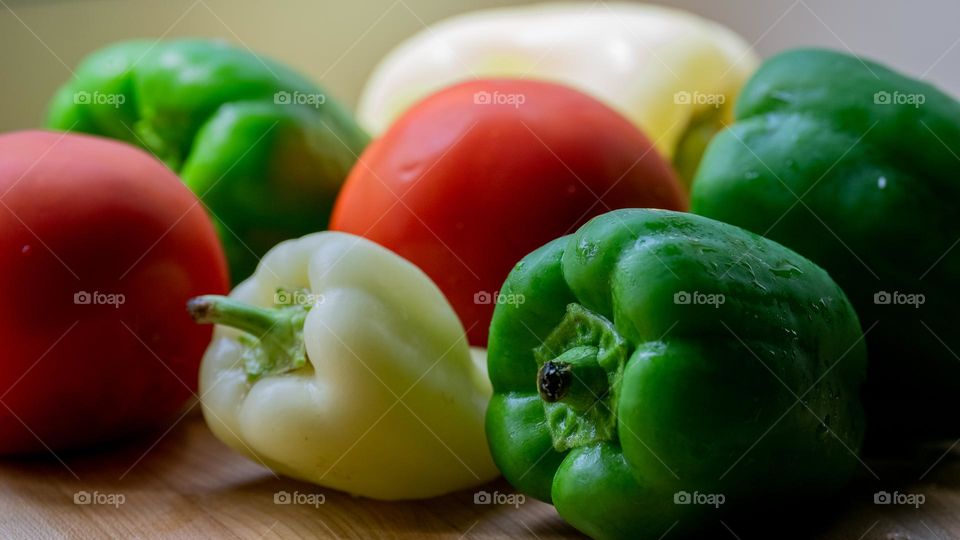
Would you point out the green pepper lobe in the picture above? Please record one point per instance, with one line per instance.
(264, 148)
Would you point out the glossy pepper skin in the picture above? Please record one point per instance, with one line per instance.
(465, 188)
(340, 363)
(101, 246)
(618, 385)
(675, 75)
(264, 148)
(852, 165)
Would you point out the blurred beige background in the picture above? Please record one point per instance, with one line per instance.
(339, 42)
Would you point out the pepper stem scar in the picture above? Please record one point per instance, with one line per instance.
(553, 381)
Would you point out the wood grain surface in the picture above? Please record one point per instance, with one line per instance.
(186, 484)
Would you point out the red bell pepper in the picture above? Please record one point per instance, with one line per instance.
(476, 176)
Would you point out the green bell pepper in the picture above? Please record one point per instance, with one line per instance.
(661, 359)
(850, 164)
(264, 148)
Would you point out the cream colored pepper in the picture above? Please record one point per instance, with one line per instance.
(353, 373)
(674, 74)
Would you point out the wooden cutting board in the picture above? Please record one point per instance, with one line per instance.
(187, 484)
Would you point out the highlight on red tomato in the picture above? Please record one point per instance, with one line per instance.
(102, 246)
(476, 176)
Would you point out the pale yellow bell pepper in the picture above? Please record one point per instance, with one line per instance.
(340, 363)
(674, 74)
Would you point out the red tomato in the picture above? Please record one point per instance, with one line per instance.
(476, 176)
(102, 246)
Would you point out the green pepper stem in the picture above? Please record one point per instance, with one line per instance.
(222, 310)
(275, 342)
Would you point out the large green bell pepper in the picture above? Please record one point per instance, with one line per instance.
(264, 148)
(853, 165)
(660, 356)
